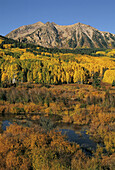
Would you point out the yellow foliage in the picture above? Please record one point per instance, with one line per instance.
(109, 76)
(2, 53)
(27, 55)
(101, 52)
(7, 46)
(31, 107)
(4, 77)
(111, 53)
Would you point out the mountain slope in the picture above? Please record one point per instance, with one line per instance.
(72, 36)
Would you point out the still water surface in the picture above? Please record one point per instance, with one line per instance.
(78, 136)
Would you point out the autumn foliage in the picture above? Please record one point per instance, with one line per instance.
(47, 89)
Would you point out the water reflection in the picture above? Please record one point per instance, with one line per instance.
(5, 124)
(81, 138)
(78, 136)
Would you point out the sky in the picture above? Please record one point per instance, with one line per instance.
(99, 14)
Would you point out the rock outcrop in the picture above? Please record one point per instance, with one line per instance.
(71, 36)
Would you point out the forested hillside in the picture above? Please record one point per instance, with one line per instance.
(29, 63)
(44, 91)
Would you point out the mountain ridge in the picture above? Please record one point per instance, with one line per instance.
(53, 35)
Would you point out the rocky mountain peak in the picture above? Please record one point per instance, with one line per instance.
(70, 36)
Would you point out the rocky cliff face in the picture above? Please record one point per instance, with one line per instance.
(71, 36)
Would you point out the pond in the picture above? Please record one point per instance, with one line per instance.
(82, 138)
(78, 135)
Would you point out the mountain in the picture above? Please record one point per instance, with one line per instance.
(71, 36)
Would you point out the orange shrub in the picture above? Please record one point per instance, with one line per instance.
(31, 107)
